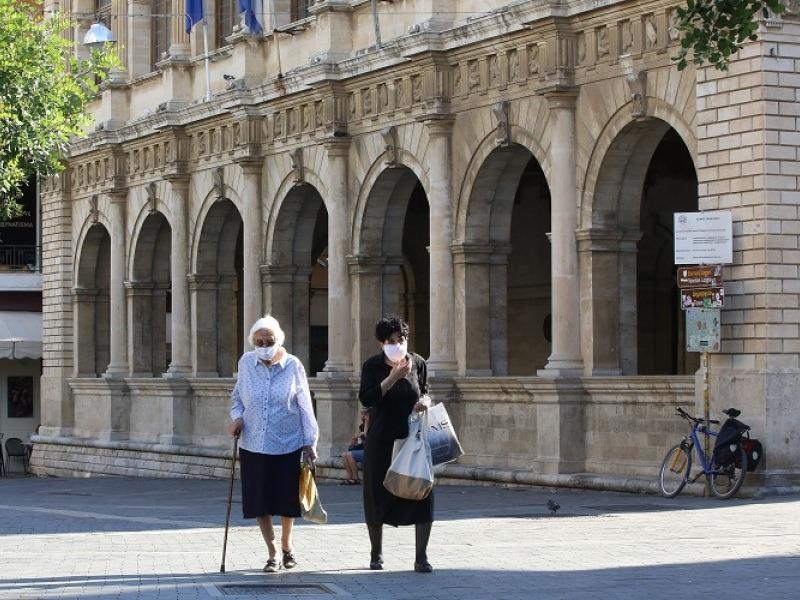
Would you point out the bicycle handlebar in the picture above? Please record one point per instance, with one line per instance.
(694, 420)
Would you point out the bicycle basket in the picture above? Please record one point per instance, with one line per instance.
(754, 451)
(730, 435)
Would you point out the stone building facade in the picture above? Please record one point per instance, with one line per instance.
(504, 175)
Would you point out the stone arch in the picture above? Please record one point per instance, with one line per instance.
(503, 181)
(393, 201)
(486, 149)
(612, 198)
(625, 136)
(295, 280)
(148, 290)
(92, 312)
(216, 290)
(405, 160)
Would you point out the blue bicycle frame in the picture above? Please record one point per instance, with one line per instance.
(699, 448)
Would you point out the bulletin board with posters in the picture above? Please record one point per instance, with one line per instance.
(703, 330)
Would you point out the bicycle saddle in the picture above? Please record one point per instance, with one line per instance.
(732, 412)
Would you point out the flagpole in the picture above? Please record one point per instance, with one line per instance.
(207, 60)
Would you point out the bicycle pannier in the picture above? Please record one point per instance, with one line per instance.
(754, 452)
(727, 441)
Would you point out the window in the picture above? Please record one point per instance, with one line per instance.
(227, 15)
(102, 9)
(159, 31)
(299, 9)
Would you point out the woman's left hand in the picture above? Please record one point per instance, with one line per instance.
(420, 407)
(310, 453)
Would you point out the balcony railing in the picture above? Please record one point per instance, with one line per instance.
(20, 258)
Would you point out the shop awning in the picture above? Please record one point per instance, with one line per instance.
(20, 334)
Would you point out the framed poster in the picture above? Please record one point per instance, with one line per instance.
(20, 397)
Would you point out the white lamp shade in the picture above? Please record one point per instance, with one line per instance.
(97, 36)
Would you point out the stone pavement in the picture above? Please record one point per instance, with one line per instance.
(161, 539)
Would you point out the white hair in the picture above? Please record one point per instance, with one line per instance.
(267, 322)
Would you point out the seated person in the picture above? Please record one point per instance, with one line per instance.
(355, 451)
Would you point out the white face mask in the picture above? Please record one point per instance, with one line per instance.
(395, 352)
(266, 352)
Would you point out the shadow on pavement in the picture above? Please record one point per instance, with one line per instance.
(747, 578)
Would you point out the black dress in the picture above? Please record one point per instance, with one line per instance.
(389, 422)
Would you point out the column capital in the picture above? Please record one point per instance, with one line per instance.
(117, 195)
(202, 282)
(85, 294)
(560, 96)
(358, 264)
(438, 123)
(139, 288)
(250, 165)
(337, 146)
(179, 182)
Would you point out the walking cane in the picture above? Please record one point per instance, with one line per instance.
(230, 501)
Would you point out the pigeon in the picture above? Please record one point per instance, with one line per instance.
(553, 507)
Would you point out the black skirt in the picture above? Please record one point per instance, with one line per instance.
(270, 484)
(380, 506)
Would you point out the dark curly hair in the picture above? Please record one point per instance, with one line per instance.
(389, 325)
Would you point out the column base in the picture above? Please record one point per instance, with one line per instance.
(177, 372)
(442, 368)
(116, 372)
(334, 368)
(561, 368)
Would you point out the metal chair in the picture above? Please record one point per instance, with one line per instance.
(16, 449)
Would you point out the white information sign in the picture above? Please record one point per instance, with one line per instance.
(704, 238)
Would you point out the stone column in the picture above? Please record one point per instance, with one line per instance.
(179, 47)
(301, 317)
(278, 283)
(181, 363)
(365, 274)
(140, 328)
(565, 359)
(204, 327)
(84, 302)
(340, 325)
(252, 242)
(229, 325)
(442, 337)
(473, 307)
(118, 366)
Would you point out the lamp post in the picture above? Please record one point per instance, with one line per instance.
(98, 36)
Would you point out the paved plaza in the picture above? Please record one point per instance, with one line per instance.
(146, 539)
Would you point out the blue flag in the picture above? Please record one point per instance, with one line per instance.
(194, 13)
(246, 7)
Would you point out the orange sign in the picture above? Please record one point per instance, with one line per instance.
(705, 298)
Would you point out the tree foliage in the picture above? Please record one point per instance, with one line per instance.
(713, 30)
(44, 91)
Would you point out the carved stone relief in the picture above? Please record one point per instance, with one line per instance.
(636, 87)
(513, 66)
(457, 79)
(218, 182)
(581, 43)
(626, 38)
(494, 71)
(291, 118)
(296, 157)
(416, 88)
(473, 75)
(351, 105)
(150, 202)
(602, 42)
(650, 32)
(673, 31)
(389, 135)
(306, 108)
(318, 114)
(366, 101)
(500, 111)
(383, 97)
(277, 125)
(402, 93)
(533, 59)
(94, 212)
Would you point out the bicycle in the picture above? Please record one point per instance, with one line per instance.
(724, 480)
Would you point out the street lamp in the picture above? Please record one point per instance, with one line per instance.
(98, 36)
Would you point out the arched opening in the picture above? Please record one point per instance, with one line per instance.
(670, 186)
(631, 310)
(296, 278)
(92, 316)
(390, 269)
(149, 299)
(216, 293)
(503, 278)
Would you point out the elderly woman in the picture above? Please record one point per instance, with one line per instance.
(271, 409)
(393, 384)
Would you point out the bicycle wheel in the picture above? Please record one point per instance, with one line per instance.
(726, 481)
(675, 469)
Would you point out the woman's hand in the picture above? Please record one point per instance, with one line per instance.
(401, 370)
(420, 407)
(311, 454)
(235, 427)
